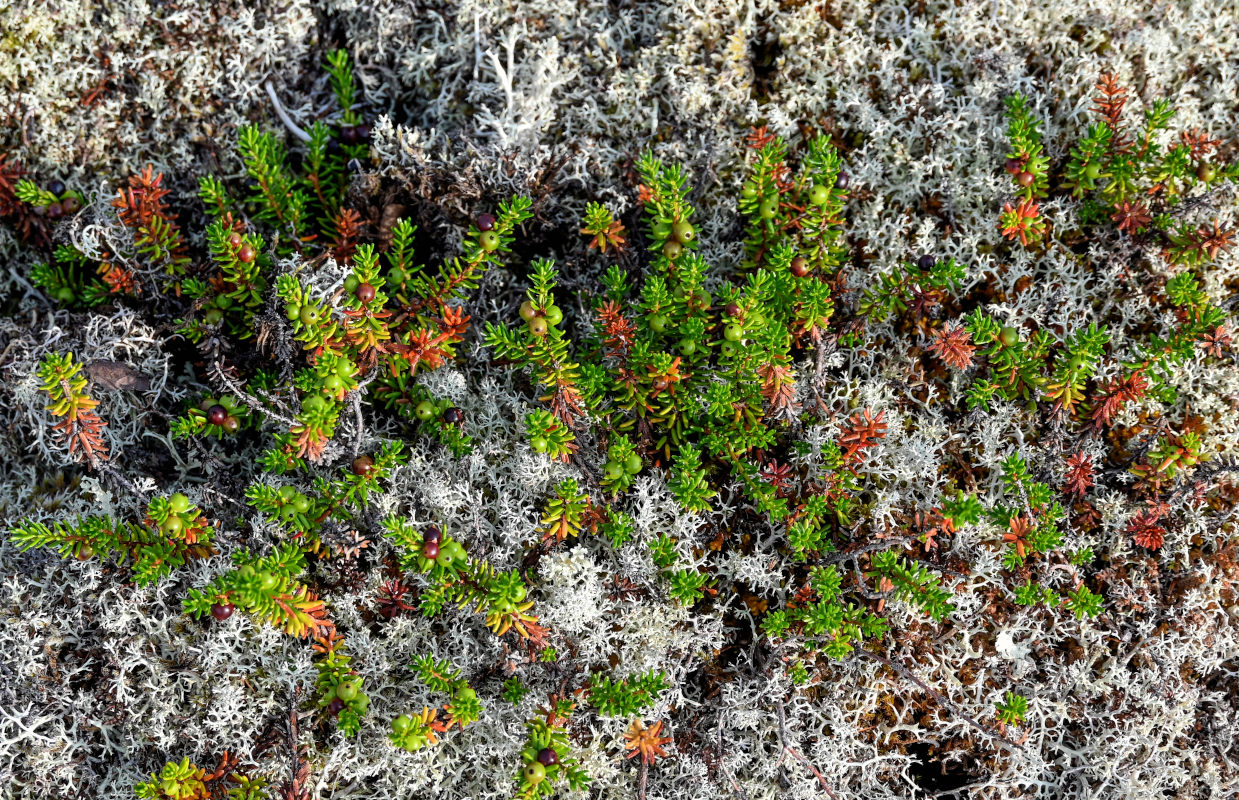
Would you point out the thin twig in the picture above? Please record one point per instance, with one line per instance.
(283, 115)
(791, 751)
(261, 403)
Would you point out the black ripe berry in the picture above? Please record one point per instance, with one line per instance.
(433, 534)
(56, 187)
(485, 222)
(733, 310)
(335, 707)
(216, 414)
(55, 211)
(363, 133)
(222, 611)
(365, 293)
(363, 466)
(842, 180)
(349, 135)
(926, 262)
(1014, 165)
(547, 756)
(453, 416)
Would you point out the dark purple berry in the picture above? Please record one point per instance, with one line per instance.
(216, 415)
(365, 293)
(71, 204)
(842, 180)
(363, 133)
(363, 466)
(433, 534)
(222, 611)
(926, 262)
(799, 266)
(246, 254)
(335, 707)
(1014, 165)
(349, 135)
(55, 211)
(1025, 179)
(547, 756)
(485, 222)
(56, 187)
(453, 416)
(430, 550)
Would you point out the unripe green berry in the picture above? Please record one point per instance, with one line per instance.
(346, 691)
(396, 275)
(538, 326)
(687, 347)
(351, 283)
(658, 323)
(539, 444)
(213, 316)
(528, 312)
(534, 773)
(554, 315)
(672, 249)
(489, 240)
(309, 315)
(1092, 171)
(632, 464)
(1009, 336)
(612, 470)
(401, 724)
(819, 194)
(267, 582)
(424, 411)
(179, 503)
(292, 311)
(684, 231)
(173, 525)
(733, 333)
(769, 208)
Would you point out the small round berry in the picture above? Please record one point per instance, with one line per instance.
(231, 424)
(346, 368)
(748, 191)
(401, 724)
(64, 294)
(1075, 363)
(1014, 165)
(485, 222)
(363, 465)
(632, 464)
(300, 503)
(733, 333)
(267, 582)
(336, 705)
(313, 402)
(363, 133)
(672, 249)
(247, 253)
(365, 292)
(1204, 172)
(247, 572)
(1025, 179)
(684, 231)
(332, 384)
(446, 558)
(769, 208)
(732, 309)
(528, 312)
(39, 211)
(55, 211)
(56, 187)
(292, 311)
(819, 194)
(489, 240)
(926, 262)
(728, 349)
(1092, 171)
(842, 180)
(217, 414)
(424, 411)
(433, 534)
(535, 773)
(213, 316)
(547, 756)
(71, 205)
(453, 415)
(612, 470)
(179, 503)
(430, 550)
(396, 275)
(351, 283)
(84, 552)
(173, 525)
(1009, 336)
(687, 347)
(702, 298)
(539, 444)
(554, 315)
(349, 135)
(235, 240)
(223, 301)
(346, 691)
(799, 266)
(222, 611)
(309, 315)
(658, 323)
(538, 326)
